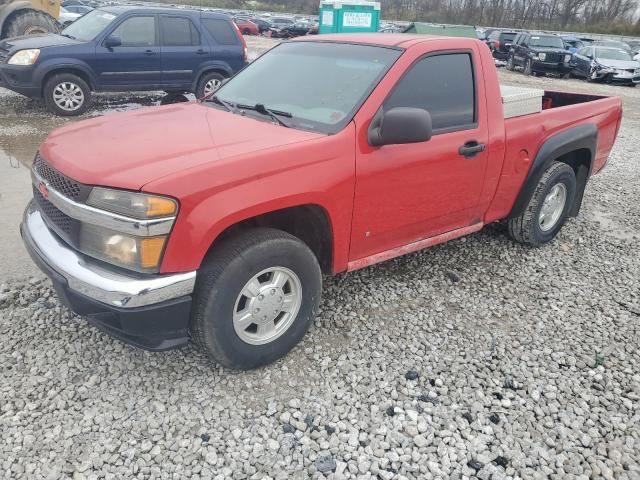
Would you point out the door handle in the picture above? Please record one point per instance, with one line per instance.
(201, 52)
(471, 149)
(149, 52)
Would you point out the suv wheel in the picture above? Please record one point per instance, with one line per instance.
(67, 95)
(510, 64)
(209, 83)
(255, 298)
(528, 67)
(548, 208)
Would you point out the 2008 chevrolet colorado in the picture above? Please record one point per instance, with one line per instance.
(214, 219)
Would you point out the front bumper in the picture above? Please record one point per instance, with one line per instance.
(550, 67)
(20, 79)
(148, 311)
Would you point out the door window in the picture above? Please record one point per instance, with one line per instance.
(444, 86)
(178, 32)
(221, 30)
(137, 32)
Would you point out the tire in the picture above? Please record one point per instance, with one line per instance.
(510, 65)
(528, 67)
(246, 31)
(29, 22)
(219, 294)
(67, 82)
(529, 227)
(202, 89)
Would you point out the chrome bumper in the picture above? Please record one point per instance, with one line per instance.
(92, 279)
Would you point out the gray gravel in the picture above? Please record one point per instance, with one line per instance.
(476, 359)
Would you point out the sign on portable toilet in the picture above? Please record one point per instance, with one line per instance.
(345, 17)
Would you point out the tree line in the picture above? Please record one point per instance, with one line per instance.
(597, 16)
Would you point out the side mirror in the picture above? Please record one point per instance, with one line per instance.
(112, 41)
(400, 125)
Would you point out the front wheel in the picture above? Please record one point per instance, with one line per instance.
(255, 298)
(510, 65)
(66, 95)
(548, 208)
(528, 67)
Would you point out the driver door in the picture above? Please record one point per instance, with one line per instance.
(409, 192)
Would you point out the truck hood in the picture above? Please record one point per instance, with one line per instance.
(129, 150)
(36, 41)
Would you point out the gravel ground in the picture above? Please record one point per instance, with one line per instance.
(476, 359)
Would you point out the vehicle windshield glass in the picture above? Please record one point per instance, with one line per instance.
(613, 44)
(89, 26)
(546, 42)
(320, 84)
(612, 54)
(508, 37)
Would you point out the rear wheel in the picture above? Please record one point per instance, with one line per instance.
(208, 84)
(548, 208)
(255, 298)
(30, 22)
(510, 65)
(67, 95)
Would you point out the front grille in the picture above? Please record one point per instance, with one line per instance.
(69, 188)
(66, 227)
(552, 57)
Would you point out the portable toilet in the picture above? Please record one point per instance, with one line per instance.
(348, 17)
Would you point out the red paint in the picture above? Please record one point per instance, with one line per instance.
(381, 202)
(44, 191)
(247, 26)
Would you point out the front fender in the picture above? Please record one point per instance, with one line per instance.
(51, 65)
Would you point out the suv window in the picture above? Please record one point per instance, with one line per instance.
(221, 31)
(441, 84)
(178, 32)
(137, 32)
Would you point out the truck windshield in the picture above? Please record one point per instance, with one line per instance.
(87, 27)
(320, 84)
(546, 42)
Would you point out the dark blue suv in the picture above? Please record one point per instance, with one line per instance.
(123, 49)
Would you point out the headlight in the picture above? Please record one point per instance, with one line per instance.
(25, 57)
(567, 58)
(542, 56)
(132, 204)
(142, 254)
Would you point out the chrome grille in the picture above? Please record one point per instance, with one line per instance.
(62, 223)
(63, 184)
(554, 57)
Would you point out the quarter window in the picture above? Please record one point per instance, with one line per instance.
(178, 32)
(221, 30)
(444, 86)
(137, 32)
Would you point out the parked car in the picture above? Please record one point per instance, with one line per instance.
(294, 30)
(613, 44)
(499, 42)
(246, 26)
(391, 29)
(66, 17)
(313, 28)
(606, 64)
(263, 24)
(280, 22)
(122, 49)
(572, 44)
(79, 9)
(539, 53)
(219, 231)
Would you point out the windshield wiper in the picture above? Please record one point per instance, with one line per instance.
(274, 114)
(68, 36)
(226, 105)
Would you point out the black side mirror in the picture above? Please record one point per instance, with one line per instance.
(112, 41)
(400, 125)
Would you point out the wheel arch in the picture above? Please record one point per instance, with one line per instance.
(308, 222)
(73, 69)
(220, 68)
(576, 147)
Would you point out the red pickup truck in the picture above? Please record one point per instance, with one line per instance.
(214, 220)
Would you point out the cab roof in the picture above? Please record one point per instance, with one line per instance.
(400, 40)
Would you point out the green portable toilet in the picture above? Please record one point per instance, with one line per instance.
(349, 17)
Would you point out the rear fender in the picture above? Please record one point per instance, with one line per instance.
(581, 137)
